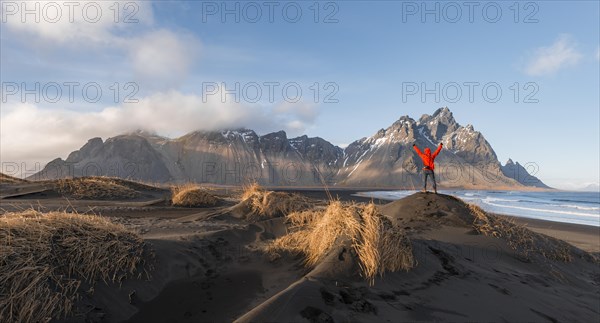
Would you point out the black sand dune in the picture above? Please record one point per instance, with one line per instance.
(461, 276)
(210, 265)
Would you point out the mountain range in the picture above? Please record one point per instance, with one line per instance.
(234, 157)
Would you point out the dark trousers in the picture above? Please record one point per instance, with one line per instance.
(426, 173)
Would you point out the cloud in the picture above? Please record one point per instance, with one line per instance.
(65, 22)
(30, 133)
(548, 60)
(159, 59)
(162, 59)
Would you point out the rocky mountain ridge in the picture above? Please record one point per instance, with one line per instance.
(234, 157)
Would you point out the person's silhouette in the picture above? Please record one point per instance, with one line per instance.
(428, 165)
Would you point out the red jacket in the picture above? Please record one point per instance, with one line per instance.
(427, 157)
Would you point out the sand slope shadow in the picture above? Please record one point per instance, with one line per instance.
(462, 259)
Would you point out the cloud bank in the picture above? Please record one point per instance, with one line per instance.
(30, 133)
(160, 59)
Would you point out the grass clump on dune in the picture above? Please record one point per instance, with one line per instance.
(268, 204)
(379, 246)
(45, 258)
(7, 179)
(524, 241)
(95, 188)
(192, 195)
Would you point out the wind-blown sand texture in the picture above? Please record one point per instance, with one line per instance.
(426, 257)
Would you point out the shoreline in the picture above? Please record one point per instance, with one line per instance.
(512, 215)
(585, 237)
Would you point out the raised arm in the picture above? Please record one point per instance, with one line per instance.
(437, 151)
(418, 150)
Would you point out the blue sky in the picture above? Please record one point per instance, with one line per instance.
(368, 52)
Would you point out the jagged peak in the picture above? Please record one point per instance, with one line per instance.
(464, 133)
(242, 129)
(143, 133)
(275, 135)
(509, 162)
(224, 135)
(307, 138)
(301, 138)
(278, 133)
(237, 132)
(443, 111)
(442, 115)
(404, 120)
(94, 141)
(57, 160)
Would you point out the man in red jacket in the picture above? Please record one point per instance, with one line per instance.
(428, 168)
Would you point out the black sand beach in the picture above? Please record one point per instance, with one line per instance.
(210, 264)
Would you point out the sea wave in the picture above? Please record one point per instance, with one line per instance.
(576, 201)
(578, 207)
(497, 199)
(486, 201)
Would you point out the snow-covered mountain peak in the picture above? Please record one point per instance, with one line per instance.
(248, 136)
(439, 124)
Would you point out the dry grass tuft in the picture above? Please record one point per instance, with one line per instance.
(45, 257)
(382, 246)
(298, 220)
(524, 241)
(192, 195)
(7, 179)
(251, 190)
(268, 204)
(378, 245)
(96, 188)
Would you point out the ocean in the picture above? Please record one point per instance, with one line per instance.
(568, 207)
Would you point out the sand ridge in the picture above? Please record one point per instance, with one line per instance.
(211, 265)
